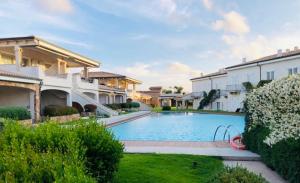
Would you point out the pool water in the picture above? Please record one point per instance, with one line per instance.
(179, 127)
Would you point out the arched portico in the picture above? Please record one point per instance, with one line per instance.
(26, 95)
(55, 97)
(78, 107)
(104, 98)
(90, 108)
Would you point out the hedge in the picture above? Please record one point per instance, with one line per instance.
(236, 175)
(17, 113)
(126, 105)
(86, 152)
(166, 108)
(272, 125)
(54, 110)
(283, 157)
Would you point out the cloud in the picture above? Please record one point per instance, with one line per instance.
(55, 6)
(232, 22)
(170, 12)
(256, 46)
(166, 74)
(208, 4)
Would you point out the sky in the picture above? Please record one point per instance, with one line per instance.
(160, 42)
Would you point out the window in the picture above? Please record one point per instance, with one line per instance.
(270, 75)
(292, 71)
(295, 70)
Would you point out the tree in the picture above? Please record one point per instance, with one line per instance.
(166, 91)
(178, 89)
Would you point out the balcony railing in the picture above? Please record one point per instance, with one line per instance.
(61, 80)
(111, 89)
(235, 88)
(81, 83)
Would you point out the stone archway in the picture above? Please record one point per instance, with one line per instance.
(54, 97)
(21, 94)
(78, 107)
(90, 108)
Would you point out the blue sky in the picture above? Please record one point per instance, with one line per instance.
(161, 42)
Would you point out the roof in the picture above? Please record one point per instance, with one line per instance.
(33, 41)
(268, 58)
(219, 73)
(109, 75)
(16, 75)
(102, 74)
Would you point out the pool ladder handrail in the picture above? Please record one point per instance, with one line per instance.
(216, 131)
(226, 130)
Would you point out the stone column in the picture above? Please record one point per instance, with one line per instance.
(18, 56)
(97, 97)
(37, 104)
(69, 99)
(32, 104)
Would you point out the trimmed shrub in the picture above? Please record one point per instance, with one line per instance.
(54, 110)
(86, 152)
(103, 152)
(166, 108)
(126, 105)
(17, 113)
(134, 105)
(236, 175)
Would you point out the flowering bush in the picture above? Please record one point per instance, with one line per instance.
(277, 107)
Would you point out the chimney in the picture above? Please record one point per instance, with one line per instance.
(279, 53)
(287, 50)
(296, 48)
(244, 60)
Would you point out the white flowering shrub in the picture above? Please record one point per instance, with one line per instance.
(277, 107)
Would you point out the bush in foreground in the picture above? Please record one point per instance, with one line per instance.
(283, 157)
(236, 175)
(166, 108)
(52, 153)
(273, 125)
(54, 110)
(17, 113)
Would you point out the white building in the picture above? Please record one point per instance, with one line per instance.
(35, 73)
(229, 82)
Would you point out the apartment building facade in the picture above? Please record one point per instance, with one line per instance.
(35, 73)
(229, 81)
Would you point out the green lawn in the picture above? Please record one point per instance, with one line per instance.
(173, 109)
(159, 168)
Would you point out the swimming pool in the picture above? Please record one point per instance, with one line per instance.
(178, 127)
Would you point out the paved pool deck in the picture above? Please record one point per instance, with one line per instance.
(115, 120)
(220, 149)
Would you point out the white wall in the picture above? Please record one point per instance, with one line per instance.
(280, 68)
(201, 85)
(14, 97)
(238, 76)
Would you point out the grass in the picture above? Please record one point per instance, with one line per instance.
(165, 168)
(173, 109)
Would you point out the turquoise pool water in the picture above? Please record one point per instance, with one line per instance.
(178, 127)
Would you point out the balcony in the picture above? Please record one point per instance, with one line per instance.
(235, 88)
(111, 89)
(56, 80)
(80, 83)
